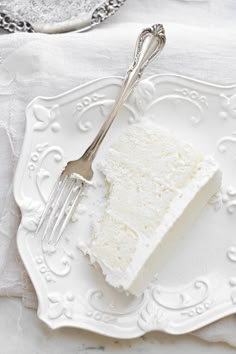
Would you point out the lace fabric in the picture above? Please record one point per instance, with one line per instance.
(48, 11)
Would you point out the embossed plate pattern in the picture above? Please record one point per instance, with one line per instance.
(196, 276)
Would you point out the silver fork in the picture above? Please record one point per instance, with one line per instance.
(66, 193)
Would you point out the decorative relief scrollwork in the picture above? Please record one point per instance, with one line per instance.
(216, 201)
(231, 253)
(226, 197)
(56, 153)
(232, 283)
(37, 159)
(101, 316)
(46, 117)
(103, 104)
(144, 98)
(82, 106)
(226, 141)
(57, 261)
(52, 262)
(229, 105)
(151, 317)
(61, 305)
(199, 309)
(194, 96)
(31, 213)
(192, 299)
(191, 296)
(44, 270)
(143, 95)
(101, 312)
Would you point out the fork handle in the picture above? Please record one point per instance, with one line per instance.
(150, 42)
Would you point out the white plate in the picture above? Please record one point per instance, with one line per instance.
(196, 277)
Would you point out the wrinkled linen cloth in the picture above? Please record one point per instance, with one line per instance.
(200, 44)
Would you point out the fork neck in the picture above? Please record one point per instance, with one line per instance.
(91, 151)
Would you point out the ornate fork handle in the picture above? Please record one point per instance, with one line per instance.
(150, 43)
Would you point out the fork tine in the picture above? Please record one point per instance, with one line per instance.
(49, 204)
(59, 218)
(56, 204)
(70, 212)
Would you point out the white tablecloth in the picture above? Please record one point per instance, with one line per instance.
(200, 43)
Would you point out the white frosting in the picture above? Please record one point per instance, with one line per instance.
(152, 177)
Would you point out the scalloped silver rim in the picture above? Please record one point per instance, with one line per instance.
(100, 14)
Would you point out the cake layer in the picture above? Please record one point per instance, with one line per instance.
(156, 186)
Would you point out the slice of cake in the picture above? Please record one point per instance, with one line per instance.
(156, 186)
